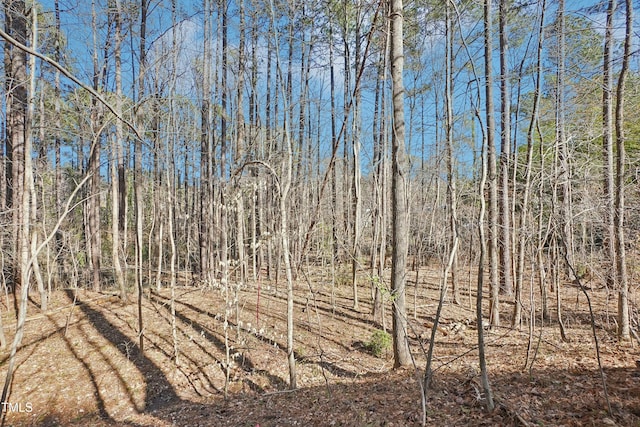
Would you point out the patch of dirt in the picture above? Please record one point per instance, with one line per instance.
(81, 362)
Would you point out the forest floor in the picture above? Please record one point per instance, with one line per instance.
(81, 365)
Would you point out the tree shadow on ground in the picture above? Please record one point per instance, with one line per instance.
(102, 410)
(247, 364)
(158, 390)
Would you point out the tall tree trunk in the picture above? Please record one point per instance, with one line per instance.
(345, 130)
(239, 154)
(31, 214)
(16, 113)
(607, 147)
(30, 184)
(137, 170)
(564, 172)
(491, 166)
(400, 184)
(256, 246)
(204, 243)
(283, 185)
(379, 154)
(21, 101)
(357, 197)
(224, 237)
(621, 266)
(57, 141)
(484, 374)
(452, 193)
(93, 201)
(524, 212)
(561, 166)
(271, 110)
(504, 220)
(171, 190)
(334, 143)
(173, 254)
(117, 162)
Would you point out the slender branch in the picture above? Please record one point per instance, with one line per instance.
(71, 77)
(593, 326)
